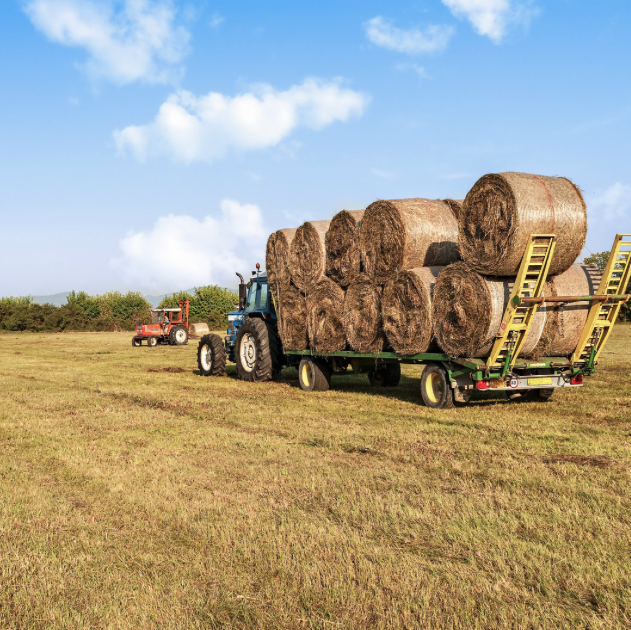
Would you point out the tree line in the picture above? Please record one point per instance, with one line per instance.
(111, 311)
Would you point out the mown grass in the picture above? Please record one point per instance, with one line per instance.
(137, 498)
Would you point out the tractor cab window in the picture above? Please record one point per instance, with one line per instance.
(156, 317)
(176, 316)
(251, 305)
(261, 296)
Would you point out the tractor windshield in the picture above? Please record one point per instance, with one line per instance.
(156, 316)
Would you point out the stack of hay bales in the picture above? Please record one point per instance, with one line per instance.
(364, 279)
(421, 275)
(497, 218)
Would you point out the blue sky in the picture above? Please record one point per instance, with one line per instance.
(153, 145)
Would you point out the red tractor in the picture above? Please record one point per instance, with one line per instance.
(168, 325)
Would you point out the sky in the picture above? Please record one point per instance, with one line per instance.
(153, 145)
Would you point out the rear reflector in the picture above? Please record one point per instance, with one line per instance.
(482, 385)
(577, 380)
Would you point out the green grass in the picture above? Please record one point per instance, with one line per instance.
(132, 498)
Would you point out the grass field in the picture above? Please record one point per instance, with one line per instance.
(134, 497)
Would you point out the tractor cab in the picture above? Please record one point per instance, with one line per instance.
(255, 302)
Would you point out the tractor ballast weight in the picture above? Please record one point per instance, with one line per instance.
(168, 326)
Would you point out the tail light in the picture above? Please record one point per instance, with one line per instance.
(577, 380)
(482, 385)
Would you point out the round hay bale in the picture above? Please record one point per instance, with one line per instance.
(455, 205)
(307, 254)
(277, 257)
(292, 318)
(467, 311)
(362, 315)
(502, 210)
(325, 311)
(342, 247)
(405, 234)
(198, 330)
(407, 310)
(564, 322)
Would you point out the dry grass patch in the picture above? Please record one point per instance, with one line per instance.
(136, 494)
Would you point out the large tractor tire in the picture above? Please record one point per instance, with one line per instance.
(211, 356)
(435, 387)
(257, 351)
(314, 375)
(178, 336)
(388, 375)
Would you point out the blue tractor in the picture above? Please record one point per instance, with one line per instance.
(252, 340)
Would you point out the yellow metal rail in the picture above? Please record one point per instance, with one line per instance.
(602, 315)
(517, 319)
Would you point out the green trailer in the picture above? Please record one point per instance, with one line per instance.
(448, 381)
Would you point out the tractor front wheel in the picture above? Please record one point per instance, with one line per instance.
(211, 356)
(178, 336)
(255, 355)
(152, 342)
(136, 342)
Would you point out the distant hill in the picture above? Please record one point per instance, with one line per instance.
(59, 299)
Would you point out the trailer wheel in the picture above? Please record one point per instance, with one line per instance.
(211, 356)
(435, 388)
(136, 342)
(253, 353)
(178, 336)
(314, 375)
(152, 342)
(388, 375)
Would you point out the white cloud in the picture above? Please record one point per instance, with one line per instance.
(216, 20)
(492, 17)
(611, 204)
(181, 251)
(418, 70)
(189, 128)
(411, 41)
(126, 40)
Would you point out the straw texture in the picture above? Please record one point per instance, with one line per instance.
(342, 247)
(407, 310)
(467, 312)
(307, 254)
(407, 233)
(325, 311)
(292, 319)
(362, 315)
(501, 211)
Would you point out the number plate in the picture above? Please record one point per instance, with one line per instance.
(546, 380)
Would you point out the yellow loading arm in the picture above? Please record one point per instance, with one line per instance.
(603, 314)
(518, 317)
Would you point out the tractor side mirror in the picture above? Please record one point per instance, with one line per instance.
(242, 292)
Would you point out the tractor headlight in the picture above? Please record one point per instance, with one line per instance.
(234, 318)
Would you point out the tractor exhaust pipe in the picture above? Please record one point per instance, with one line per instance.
(242, 292)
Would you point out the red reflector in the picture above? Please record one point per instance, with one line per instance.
(482, 385)
(577, 380)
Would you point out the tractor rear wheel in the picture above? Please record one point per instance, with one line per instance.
(178, 336)
(387, 375)
(211, 356)
(314, 375)
(435, 387)
(254, 352)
